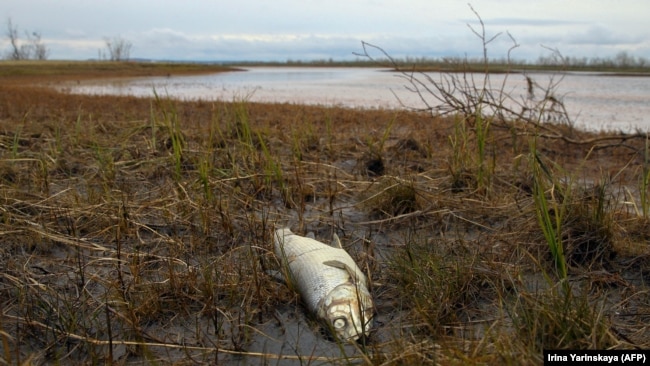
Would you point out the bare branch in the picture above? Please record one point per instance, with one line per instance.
(38, 50)
(32, 49)
(119, 49)
(12, 34)
(472, 95)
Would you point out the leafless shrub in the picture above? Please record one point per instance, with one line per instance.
(39, 50)
(31, 49)
(466, 92)
(12, 33)
(119, 49)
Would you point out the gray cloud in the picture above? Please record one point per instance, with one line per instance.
(524, 22)
(599, 35)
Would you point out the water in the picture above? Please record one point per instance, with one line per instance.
(594, 101)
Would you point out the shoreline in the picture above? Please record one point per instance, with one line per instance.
(579, 97)
(99, 69)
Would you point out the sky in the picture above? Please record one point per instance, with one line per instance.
(281, 30)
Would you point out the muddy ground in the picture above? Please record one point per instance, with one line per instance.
(138, 231)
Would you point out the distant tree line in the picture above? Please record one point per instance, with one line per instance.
(622, 60)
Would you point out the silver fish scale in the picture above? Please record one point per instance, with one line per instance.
(312, 278)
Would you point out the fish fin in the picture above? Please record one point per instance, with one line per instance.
(311, 235)
(338, 264)
(336, 242)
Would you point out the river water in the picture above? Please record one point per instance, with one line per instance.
(593, 101)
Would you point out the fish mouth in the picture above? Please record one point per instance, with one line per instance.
(348, 310)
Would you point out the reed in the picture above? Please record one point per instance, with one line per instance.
(645, 180)
(469, 164)
(482, 128)
(174, 140)
(550, 213)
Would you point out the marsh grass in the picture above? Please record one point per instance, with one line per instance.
(555, 319)
(439, 284)
(645, 180)
(469, 163)
(550, 213)
(139, 229)
(390, 197)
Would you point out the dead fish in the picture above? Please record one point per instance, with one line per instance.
(329, 281)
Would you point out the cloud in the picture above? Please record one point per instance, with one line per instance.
(524, 22)
(172, 44)
(75, 33)
(73, 49)
(599, 35)
(168, 43)
(308, 29)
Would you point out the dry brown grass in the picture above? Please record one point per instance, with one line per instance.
(136, 230)
(32, 71)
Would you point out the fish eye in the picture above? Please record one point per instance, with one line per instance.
(339, 323)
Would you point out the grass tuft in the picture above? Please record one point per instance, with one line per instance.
(390, 197)
(552, 320)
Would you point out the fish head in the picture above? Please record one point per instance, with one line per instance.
(348, 310)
